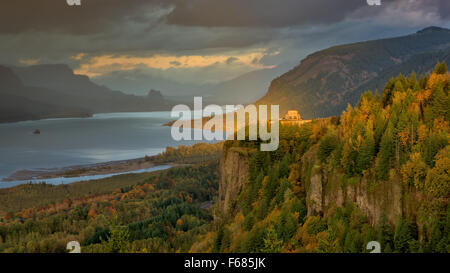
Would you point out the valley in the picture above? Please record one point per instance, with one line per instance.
(378, 172)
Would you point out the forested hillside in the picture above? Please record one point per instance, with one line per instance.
(326, 81)
(159, 212)
(378, 172)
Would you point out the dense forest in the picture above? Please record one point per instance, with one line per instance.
(398, 138)
(158, 213)
(197, 153)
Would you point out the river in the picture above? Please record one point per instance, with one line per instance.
(78, 141)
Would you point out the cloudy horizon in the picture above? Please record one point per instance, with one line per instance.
(137, 45)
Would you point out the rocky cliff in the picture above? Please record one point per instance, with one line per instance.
(374, 199)
(324, 189)
(234, 168)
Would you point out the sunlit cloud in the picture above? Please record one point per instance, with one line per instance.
(29, 62)
(99, 65)
(78, 57)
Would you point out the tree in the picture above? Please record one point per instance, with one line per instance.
(440, 68)
(272, 244)
(92, 213)
(326, 146)
(386, 97)
(220, 239)
(352, 242)
(8, 216)
(439, 102)
(117, 240)
(402, 236)
(366, 152)
(398, 87)
(433, 143)
(349, 157)
(286, 225)
(438, 180)
(385, 236)
(386, 154)
(254, 242)
(414, 171)
(284, 166)
(272, 184)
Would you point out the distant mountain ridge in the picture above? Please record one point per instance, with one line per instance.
(19, 102)
(326, 81)
(246, 88)
(45, 91)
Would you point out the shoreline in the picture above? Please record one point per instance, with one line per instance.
(74, 116)
(103, 168)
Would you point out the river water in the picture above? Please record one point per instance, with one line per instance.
(77, 141)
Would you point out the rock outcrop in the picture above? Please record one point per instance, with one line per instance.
(234, 169)
(389, 198)
(324, 189)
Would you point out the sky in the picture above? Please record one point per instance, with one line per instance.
(177, 45)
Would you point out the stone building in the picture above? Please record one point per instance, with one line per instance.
(292, 115)
(292, 118)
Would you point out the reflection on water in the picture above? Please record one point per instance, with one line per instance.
(79, 141)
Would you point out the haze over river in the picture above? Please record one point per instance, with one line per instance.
(77, 141)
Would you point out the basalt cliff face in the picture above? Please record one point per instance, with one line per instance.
(388, 198)
(324, 189)
(234, 169)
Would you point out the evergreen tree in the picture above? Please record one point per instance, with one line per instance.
(286, 225)
(326, 146)
(366, 152)
(272, 244)
(439, 102)
(385, 236)
(402, 236)
(386, 97)
(118, 240)
(423, 81)
(440, 68)
(386, 153)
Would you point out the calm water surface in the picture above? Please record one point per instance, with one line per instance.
(74, 141)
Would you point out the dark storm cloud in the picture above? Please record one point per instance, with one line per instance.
(95, 16)
(56, 15)
(50, 31)
(261, 13)
(444, 9)
(286, 13)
